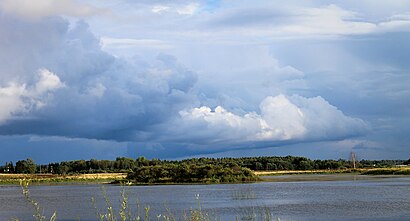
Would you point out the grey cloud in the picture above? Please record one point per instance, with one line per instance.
(44, 8)
(252, 16)
(132, 97)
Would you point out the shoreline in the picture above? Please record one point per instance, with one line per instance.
(265, 176)
(49, 179)
(327, 177)
(363, 171)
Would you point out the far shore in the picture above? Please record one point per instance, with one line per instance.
(326, 177)
(293, 172)
(266, 176)
(333, 175)
(405, 170)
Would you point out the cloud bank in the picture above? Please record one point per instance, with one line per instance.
(82, 91)
(97, 95)
(183, 78)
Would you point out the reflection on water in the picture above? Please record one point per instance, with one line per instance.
(376, 199)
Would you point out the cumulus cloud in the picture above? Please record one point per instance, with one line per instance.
(18, 99)
(48, 81)
(132, 95)
(10, 100)
(281, 119)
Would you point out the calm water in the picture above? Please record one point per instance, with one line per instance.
(382, 199)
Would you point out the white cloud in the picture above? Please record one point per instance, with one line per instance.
(280, 119)
(187, 9)
(48, 81)
(17, 99)
(179, 9)
(225, 124)
(10, 100)
(160, 8)
(42, 8)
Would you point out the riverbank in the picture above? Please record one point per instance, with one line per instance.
(56, 178)
(327, 177)
(267, 176)
(404, 170)
(333, 175)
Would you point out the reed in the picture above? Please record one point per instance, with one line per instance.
(38, 210)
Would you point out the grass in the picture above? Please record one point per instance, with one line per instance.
(55, 178)
(38, 210)
(388, 171)
(331, 175)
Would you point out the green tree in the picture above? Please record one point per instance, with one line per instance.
(26, 166)
(141, 161)
(8, 168)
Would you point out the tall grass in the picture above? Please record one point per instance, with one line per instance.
(38, 210)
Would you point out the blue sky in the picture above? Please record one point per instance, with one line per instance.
(174, 79)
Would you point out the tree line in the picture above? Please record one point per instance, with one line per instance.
(123, 164)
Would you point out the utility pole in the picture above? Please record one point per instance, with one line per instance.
(353, 159)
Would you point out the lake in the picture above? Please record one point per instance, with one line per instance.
(367, 199)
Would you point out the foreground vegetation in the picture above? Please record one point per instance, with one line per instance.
(388, 171)
(141, 213)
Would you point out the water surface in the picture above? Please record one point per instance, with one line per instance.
(368, 199)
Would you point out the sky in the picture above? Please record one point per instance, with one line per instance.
(176, 79)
